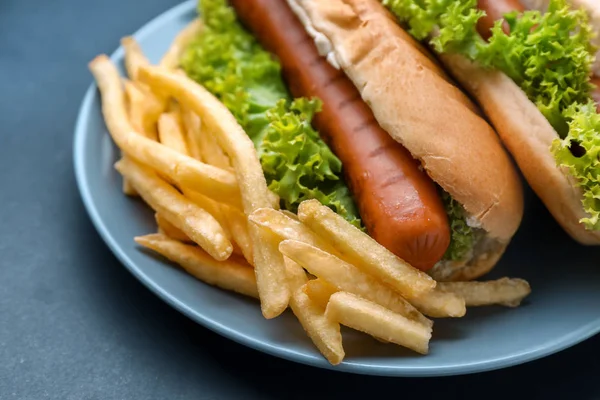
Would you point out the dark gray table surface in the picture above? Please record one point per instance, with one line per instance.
(74, 324)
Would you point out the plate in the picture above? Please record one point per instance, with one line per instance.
(563, 309)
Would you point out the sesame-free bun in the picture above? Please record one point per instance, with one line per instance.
(528, 135)
(416, 102)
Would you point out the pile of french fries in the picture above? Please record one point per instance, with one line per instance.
(186, 157)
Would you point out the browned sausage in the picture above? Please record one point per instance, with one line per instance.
(495, 10)
(398, 203)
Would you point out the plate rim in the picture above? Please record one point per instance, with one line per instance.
(355, 367)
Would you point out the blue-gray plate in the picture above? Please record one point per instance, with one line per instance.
(563, 309)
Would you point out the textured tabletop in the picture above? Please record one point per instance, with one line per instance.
(75, 324)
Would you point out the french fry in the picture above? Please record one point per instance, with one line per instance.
(287, 227)
(348, 278)
(148, 105)
(440, 304)
(170, 230)
(211, 206)
(134, 57)
(324, 332)
(232, 274)
(274, 289)
(238, 226)
(211, 152)
(232, 217)
(273, 199)
(295, 273)
(214, 182)
(319, 291)
(170, 132)
(268, 262)
(435, 303)
(504, 291)
(194, 221)
(290, 214)
(192, 125)
(128, 189)
(373, 319)
(173, 54)
(138, 109)
(371, 257)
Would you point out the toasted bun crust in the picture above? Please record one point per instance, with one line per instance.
(414, 100)
(592, 7)
(528, 136)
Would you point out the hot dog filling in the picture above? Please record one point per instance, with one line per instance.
(298, 165)
(549, 55)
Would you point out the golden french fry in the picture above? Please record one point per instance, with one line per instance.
(192, 125)
(211, 206)
(295, 273)
(319, 291)
(290, 214)
(211, 152)
(238, 226)
(273, 199)
(435, 303)
(232, 274)
(152, 104)
(170, 230)
(371, 318)
(372, 257)
(138, 109)
(214, 182)
(504, 291)
(287, 227)
(194, 221)
(170, 132)
(323, 332)
(128, 188)
(173, 54)
(268, 262)
(134, 56)
(346, 277)
(272, 282)
(440, 304)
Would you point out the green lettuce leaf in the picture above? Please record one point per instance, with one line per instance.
(548, 55)
(232, 65)
(584, 164)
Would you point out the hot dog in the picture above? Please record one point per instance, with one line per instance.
(536, 86)
(430, 179)
(398, 202)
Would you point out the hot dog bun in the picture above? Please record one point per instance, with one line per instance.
(414, 100)
(528, 135)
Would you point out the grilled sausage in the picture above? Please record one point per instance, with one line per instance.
(398, 202)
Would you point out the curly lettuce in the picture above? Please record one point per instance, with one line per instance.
(231, 64)
(548, 55)
(584, 125)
